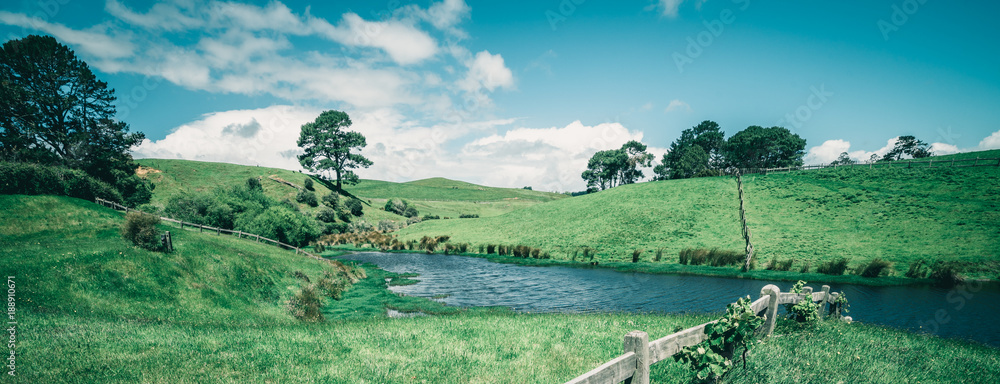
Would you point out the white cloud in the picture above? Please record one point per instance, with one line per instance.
(165, 16)
(264, 137)
(447, 14)
(990, 142)
(404, 43)
(95, 41)
(487, 71)
(826, 152)
(940, 149)
(670, 8)
(677, 105)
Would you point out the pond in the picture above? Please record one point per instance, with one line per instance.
(969, 311)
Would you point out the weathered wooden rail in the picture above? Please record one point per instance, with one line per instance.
(639, 353)
(218, 231)
(743, 221)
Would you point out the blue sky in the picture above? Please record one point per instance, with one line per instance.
(523, 93)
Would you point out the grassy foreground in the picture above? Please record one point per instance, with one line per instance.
(93, 309)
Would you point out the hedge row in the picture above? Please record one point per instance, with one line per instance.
(34, 179)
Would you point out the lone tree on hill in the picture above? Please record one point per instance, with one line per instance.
(908, 145)
(759, 147)
(54, 111)
(328, 147)
(614, 167)
(698, 149)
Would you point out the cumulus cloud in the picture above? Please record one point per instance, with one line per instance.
(677, 105)
(487, 71)
(263, 137)
(991, 142)
(544, 158)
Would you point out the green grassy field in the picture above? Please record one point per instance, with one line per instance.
(92, 308)
(693, 213)
(437, 196)
(897, 214)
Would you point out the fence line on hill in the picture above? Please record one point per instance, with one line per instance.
(743, 221)
(930, 163)
(218, 231)
(639, 353)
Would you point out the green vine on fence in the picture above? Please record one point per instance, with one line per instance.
(712, 358)
(805, 311)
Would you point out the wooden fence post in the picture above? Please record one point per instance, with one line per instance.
(823, 303)
(835, 308)
(638, 343)
(771, 316)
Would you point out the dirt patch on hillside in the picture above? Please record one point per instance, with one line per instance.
(143, 171)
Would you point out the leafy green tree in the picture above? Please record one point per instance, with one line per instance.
(908, 145)
(614, 167)
(54, 111)
(355, 206)
(684, 160)
(328, 145)
(843, 159)
(759, 147)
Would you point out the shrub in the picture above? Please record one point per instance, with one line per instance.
(468, 216)
(387, 226)
(481, 249)
(331, 200)
(946, 273)
(805, 268)
(659, 254)
(326, 215)
(874, 268)
(413, 220)
(319, 248)
(396, 206)
(308, 183)
(140, 229)
(305, 305)
(355, 207)
(344, 216)
(360, 227)
(307, 198)
(718, 258)
(778, 265)
(332, 286)
(918, 270)
(411, 212)
(491, 249)
(833, 267)
(34, 179)
(432, 217)
(588, 254)
(282, 224)
(535, 253)
(636, 254)
(806, 310)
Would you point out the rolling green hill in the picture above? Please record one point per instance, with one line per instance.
(91, 308)
(898, 214)
(437, 196)
(674, 215)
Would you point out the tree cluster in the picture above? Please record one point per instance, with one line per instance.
(611, 168)
(54, 111)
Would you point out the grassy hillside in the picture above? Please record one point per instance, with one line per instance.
(438, 196)
(898, 214)
(694, 213)
(91, 308)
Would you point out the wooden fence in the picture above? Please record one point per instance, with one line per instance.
(218, 231)
(929, 163)
(633, 365)
(743, 221)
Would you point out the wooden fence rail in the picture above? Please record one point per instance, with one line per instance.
(639, 353)
(218, 231)
(929, 163)
(743, 221)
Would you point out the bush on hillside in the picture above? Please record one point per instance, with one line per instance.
(326, 215)
(468, 216)
(140, 229)
(355, 207)
(918, 270)
(306, 197)
(331, 200)
(334, 228)
(34, 179)
(308, 184)
(305, 305)
(946, 273)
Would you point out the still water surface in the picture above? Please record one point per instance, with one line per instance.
(969, 312)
